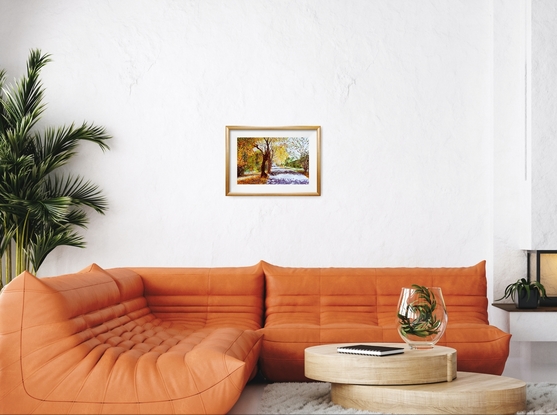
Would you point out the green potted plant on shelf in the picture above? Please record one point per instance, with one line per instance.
(40, 203)
(524, 293)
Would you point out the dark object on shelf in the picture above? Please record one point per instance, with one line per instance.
(542, 267)
(548, 302)
(526, 299)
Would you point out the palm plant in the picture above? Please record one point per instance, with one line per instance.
(39, 206)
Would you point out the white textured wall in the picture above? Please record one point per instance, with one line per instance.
(403, 91)
(511, 193)
(543, 155)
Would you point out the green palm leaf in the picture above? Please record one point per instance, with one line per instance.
(81, 193)
(57, 146)
(25, 98)
(49, 240)
(6, 236)
(50, 210)
(77, 217)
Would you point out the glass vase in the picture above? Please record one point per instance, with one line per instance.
(421, 316)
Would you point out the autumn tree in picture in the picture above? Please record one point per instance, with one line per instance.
(273, 160)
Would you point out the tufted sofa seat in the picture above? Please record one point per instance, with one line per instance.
(130, 340)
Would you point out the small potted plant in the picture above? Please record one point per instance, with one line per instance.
(525, 294)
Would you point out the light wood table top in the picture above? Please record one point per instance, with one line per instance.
(409, 368)
(469, 393)
(415, 382)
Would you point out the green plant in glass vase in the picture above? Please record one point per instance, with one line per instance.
(422, 316)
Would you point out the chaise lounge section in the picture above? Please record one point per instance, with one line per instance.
(130, 341)
(187, 340)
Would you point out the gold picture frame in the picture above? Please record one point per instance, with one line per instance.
(273, 161)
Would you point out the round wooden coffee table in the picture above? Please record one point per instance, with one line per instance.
(402, 384)
(413, 367)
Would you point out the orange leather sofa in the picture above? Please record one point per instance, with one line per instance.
(187, 340)
(310, 306)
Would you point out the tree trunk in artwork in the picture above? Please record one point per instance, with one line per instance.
(264, 165)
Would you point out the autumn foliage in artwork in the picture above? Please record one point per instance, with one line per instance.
(273, 160)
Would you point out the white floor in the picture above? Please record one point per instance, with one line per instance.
(250, 400)
(530, 362)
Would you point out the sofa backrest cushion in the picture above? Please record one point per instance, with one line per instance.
(64, 297)
(212, 297)
(319, 296)
(464, 290)
(53, 320)
(129, 283)
(325, 296)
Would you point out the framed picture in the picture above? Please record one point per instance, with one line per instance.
(273, 161)
(542, 267)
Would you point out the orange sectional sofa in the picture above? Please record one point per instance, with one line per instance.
(187, 340)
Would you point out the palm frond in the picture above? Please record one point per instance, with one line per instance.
(15, 109)
(6, 236)
(27, 94)
(2, 78)
(77, 217)
(21, 181)
(81, 192)
(51, 210)
(50, 239)
(16, 138)
(57, 146)
(2, 82)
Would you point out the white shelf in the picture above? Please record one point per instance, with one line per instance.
(531, 325)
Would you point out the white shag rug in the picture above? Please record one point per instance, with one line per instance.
(314, 398)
